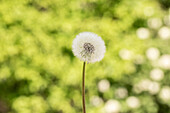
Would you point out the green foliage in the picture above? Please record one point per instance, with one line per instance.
(165, 3)
(39, 74)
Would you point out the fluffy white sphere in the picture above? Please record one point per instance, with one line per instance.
(112, 106)
(164, 33)
(103, 85)
(143, 33)
(164, 61)
(96, 101)
(165, 93)
(152, 53)
(157, 74)
(154, 23)
(133, 102)
(121, 93)
(88, 47)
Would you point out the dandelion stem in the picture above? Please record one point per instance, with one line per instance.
(83, 88)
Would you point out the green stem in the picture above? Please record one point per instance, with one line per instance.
(83, 88)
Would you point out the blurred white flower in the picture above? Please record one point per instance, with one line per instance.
(164, 33)
(157, 74)
(96, 101)
(133, 102)
(148, 11)
(143, 33)
(147, 85)
(88, 47)
(121, 93)
(143, 85)
(153, 88)
(154, 23)
(125, 54)
(165, 93)
(103, 85)
(164, 61)
(152, 53)
(112, 106)
(167, 20)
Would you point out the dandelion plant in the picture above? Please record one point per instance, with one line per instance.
(89, 48)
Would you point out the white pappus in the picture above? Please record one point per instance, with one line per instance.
(88, 47)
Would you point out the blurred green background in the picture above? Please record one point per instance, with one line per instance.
(39, 74)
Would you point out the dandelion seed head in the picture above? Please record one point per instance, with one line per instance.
(88, 47)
